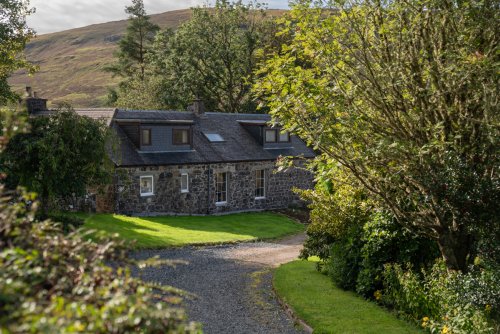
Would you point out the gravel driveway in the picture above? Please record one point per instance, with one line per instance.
(232, 284)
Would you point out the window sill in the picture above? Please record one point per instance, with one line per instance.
(220, 203)
(184, 191)
(260, 198)
(147, 194)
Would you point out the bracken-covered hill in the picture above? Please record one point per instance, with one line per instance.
(71, 62)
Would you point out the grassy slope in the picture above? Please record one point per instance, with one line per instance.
(72, 61)
(152, 232)
(328, 309)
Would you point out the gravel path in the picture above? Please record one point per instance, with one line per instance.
(232, 284)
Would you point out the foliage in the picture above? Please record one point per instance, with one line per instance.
(138, 93)
(384, 241)
(328, 309)
(68, 222)
(212, 57)
(164, 231)
(56, 283)
(344, 263)
(402, 96)
(357, 258)
(14, 34)
(336, 206)
(60, 156)
(132, 52)
(137, 41)
(444, 300)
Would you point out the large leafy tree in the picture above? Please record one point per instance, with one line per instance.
(59, 157)
(403, 97)
(14, 34)
(212, 56)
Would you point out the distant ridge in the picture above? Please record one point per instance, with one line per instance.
(71, 62)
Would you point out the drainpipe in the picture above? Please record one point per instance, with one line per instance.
(208, 189)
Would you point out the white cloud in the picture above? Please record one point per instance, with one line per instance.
(57, 15)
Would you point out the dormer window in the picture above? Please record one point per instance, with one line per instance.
(284, 137)
(145, 137)
(181, 137)
(276, 136)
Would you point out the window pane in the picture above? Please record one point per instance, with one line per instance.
(221, 187)
(184, 183)
(146, 137)
(270, 136)
(180, 136)
(260, 183)
(146, 185)
(284, 137)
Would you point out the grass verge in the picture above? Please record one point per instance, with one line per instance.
(328, 309)
(164, 231)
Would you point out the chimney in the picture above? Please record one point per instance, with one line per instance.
(198, 107)
(33, 102)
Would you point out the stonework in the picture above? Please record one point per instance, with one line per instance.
(201, 198)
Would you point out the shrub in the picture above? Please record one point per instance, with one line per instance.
(356, 260)
(385, 241)
(444, 300)
(51, 282)
(344, 263)
(68, 222)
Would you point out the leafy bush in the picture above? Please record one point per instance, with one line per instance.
(56, 283)
(68, 222)
(344, 263)
(443, 300)
(385, 241)
(357, 258)
(335, 207)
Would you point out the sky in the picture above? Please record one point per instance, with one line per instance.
(58, 15)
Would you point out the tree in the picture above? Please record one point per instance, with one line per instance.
(212, 56)
(402, 96)
(14, 34)
(133, 48)
(59, 157)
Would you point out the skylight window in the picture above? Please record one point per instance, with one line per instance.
(214, 137)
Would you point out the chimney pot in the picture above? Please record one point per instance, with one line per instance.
(35, 95)
(28, 91)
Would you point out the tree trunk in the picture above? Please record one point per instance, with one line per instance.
(455, 247)
(44, 199)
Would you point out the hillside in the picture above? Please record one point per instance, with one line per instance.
(71, 62)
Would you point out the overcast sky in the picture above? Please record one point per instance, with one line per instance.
(57, 15)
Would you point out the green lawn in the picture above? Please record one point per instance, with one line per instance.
(155, 232)
(328, 309)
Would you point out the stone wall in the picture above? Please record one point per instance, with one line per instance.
(200, 199)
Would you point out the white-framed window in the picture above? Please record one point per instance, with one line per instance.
(260, 184)
(146, 185)
(220, 188)
(184, 183)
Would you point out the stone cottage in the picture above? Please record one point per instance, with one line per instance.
(196, 162)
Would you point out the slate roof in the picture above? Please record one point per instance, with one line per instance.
(238, 145)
